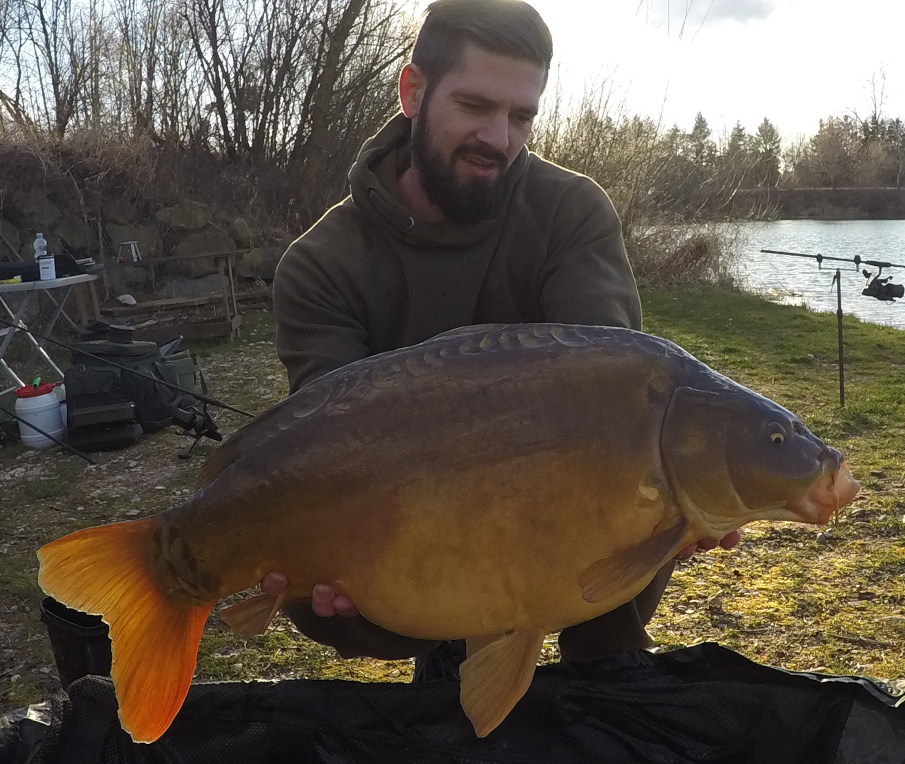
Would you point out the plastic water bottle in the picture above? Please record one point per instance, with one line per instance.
(46, 265)
(40, 246)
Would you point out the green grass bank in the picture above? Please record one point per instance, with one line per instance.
(798, 597)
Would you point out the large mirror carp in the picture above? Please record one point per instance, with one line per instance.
(494, 483)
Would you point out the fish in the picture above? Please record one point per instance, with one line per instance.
(495, 483)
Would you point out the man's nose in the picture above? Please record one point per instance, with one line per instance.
(494, 132)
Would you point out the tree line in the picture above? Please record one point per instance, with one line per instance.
(290, 84)
(297, 85)
(679, 174)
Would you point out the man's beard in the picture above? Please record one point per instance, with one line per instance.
(468, 201)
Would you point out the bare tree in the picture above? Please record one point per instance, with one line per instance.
(61, 39)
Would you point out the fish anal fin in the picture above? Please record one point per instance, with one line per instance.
(620, 570)
(105, 571)
(473, 644)
(252, 616)
(496, 676)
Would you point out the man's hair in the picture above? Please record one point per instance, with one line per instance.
(508, 27)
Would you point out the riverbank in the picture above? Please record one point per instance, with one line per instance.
(788, 595)
(820, 203)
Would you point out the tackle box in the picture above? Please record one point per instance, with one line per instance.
(104, 438)
(99, 409)
(101, 421)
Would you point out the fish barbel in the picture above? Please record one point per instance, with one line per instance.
(494, 483)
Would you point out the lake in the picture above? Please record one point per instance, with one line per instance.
(798, 280)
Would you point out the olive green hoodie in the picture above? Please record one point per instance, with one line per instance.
(370, 277)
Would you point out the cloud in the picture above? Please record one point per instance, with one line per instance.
(739, 10)
(688, 16)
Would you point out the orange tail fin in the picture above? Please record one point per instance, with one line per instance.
(106, 571)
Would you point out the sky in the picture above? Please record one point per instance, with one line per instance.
(792, 61)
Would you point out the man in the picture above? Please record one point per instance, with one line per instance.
(451, 221)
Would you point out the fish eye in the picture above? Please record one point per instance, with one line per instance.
(776, 433)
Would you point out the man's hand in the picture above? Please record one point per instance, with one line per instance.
(324, 599)
(727, 542)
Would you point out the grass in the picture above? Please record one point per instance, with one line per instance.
(807, 599)
(789, 595)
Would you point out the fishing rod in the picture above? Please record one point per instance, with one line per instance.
(857, 260)
(203, 397)
(879, 288)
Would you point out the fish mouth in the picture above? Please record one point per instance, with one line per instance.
(831, 491)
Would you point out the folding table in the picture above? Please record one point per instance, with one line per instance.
(14, 312)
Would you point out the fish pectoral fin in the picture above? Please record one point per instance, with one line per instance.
(613, 573)
(497, 675)
(252, 616)
(105, 571)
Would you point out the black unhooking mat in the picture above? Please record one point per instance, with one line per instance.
(700, 704)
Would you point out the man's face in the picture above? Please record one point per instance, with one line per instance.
(470, 127)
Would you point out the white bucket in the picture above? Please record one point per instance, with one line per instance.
(39, 406)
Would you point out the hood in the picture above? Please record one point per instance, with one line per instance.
(373, 178)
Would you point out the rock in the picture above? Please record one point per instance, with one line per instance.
(36, 210)
(209, 241)
(11, 239)
(183, 286)
(119, 210)
(259, 263)
(185, 216)
(75, 234)
(241, 232)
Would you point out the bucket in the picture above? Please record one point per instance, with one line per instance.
(80, 642)
(39, 406)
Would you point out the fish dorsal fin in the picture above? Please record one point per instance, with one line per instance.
(464, 331)
(252, 616)
(496, 676)
(613, 573)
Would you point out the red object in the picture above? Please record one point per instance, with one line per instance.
(30, 391)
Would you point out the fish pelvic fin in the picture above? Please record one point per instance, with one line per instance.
(618, 571)
(106, 571)
(252, 616)
(496, 675)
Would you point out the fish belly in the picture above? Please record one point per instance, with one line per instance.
(500, 546)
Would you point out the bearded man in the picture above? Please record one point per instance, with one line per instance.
(452, 221)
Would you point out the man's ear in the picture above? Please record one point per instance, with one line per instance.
(412, 84)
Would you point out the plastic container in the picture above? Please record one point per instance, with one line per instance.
(39, 406)
(80, 642)
(47, 268)
(40, 246)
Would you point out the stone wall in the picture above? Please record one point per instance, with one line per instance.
(84, 211)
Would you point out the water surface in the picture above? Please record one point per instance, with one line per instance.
(799, 280)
